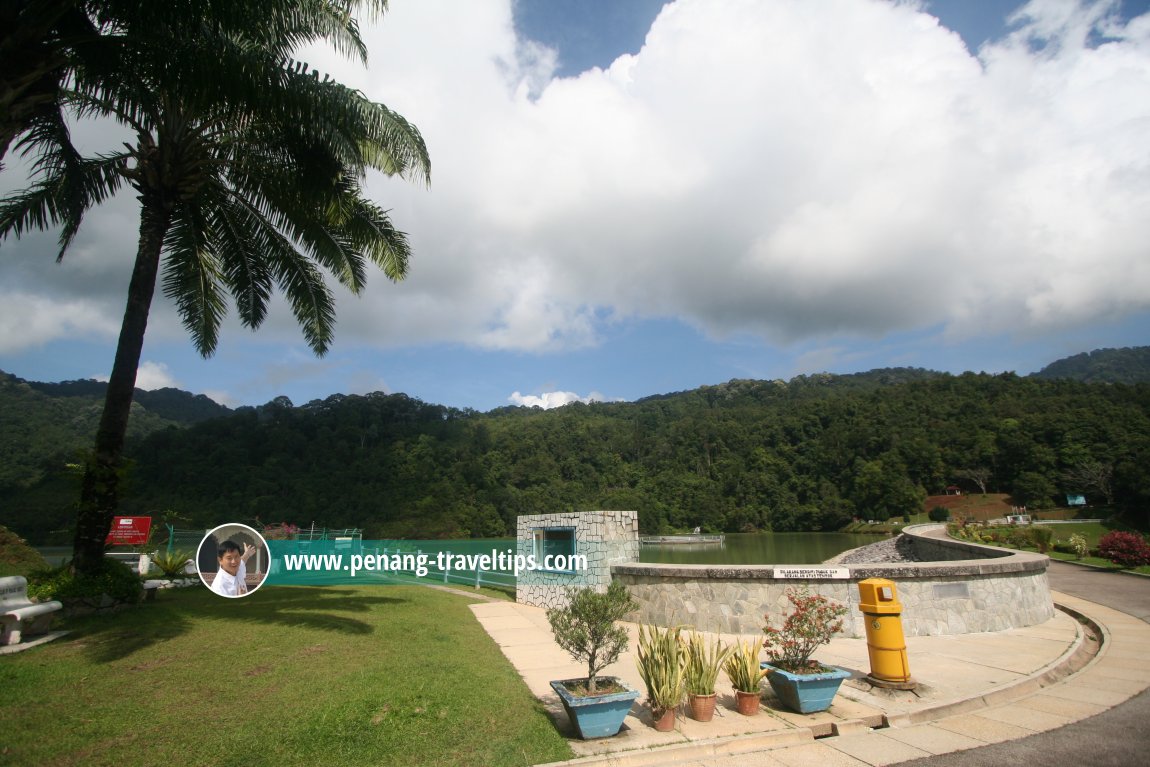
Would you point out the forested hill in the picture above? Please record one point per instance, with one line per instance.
(1103, 366)
(43, 425)
(807, 454)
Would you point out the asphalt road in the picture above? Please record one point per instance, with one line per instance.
(1119, 737)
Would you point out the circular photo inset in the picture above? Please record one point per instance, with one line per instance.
(233, 560)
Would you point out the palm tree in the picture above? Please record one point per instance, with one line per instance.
(48, 43)
(244, 187)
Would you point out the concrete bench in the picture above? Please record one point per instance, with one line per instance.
(21, 616)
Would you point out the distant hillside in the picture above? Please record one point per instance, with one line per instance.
(1127, 366)
(171, 404)
(45, 425)
(811, 453)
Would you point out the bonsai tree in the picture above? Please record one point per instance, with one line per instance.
(586, 627)
(812, 622)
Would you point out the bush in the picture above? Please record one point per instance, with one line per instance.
(1124, 549)
(173, 565)
(812, 622)
(1078, 545)
(16, 556)
(586, 628)
(116, 581)
(1041, 537)
(939, 514)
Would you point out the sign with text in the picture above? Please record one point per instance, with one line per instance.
(129, 531)
(812, 573)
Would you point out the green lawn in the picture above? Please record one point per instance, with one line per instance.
(308, 675)
(1091, 531)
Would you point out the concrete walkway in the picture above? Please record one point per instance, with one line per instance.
(974, 689)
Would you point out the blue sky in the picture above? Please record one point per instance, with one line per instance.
(629, 199)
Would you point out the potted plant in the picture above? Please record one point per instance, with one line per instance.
(745, 672)
(662, 662)
(586, 629)
(800, 683)
(704, 660)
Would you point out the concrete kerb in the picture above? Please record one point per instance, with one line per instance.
(1080, 655)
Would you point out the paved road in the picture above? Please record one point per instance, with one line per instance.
(1119, 737)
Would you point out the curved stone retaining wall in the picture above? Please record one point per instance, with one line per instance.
(969, 588)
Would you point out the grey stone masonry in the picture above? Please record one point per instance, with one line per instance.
(986, 589)
(605, 538)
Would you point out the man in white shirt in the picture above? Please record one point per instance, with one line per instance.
(231, 579)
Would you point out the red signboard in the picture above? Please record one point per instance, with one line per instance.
(129, 531)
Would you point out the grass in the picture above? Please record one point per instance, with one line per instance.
(288, 676)
(16, 556)
(1091, 531)
(1105, 564)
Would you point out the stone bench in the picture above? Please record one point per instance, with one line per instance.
(21, 616)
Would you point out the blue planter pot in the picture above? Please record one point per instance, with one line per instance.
(805, 693)
(600, 716)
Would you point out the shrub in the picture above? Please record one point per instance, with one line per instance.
(16, 556)
(1041, 537)
(173, 565)
(1018, 538)
(812, 622)
(586, 627)
(938, 514)
(1078, 545)
(116, 581)
(1124, 549)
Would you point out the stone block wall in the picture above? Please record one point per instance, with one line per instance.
(606, 538)
(951, 596)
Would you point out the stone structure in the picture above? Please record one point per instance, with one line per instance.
(605, 538)
(973, 588)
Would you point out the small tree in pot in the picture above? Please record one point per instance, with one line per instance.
(802, 684)
(586, 629)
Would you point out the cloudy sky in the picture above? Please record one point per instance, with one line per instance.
(629, 199)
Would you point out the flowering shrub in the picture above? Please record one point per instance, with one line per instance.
(812, 622)
(282, 531)
(1124, 549)
(1078, 545)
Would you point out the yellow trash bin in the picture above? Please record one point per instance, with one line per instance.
(886, 645)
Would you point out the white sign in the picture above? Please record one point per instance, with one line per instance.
(812, 573)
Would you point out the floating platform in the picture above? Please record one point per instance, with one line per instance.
(662, 540)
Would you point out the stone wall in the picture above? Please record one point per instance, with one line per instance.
(606, 538)
(997, 591)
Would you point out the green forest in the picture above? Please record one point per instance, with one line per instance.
(807, 454)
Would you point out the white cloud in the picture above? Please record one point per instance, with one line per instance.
(221, 397)
(154, 375)
(553, 399)
(28, 320)
(796, 170)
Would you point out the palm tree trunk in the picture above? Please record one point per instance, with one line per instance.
(99, 493)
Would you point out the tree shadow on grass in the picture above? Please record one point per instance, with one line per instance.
(112, 636)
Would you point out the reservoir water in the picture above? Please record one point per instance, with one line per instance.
(737, 549)
(758, 549)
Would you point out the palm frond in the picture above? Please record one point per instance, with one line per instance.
(192, 276)
(68, 186)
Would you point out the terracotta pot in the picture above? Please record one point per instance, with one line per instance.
(702, 707)
(747, 703)
(666, 722)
